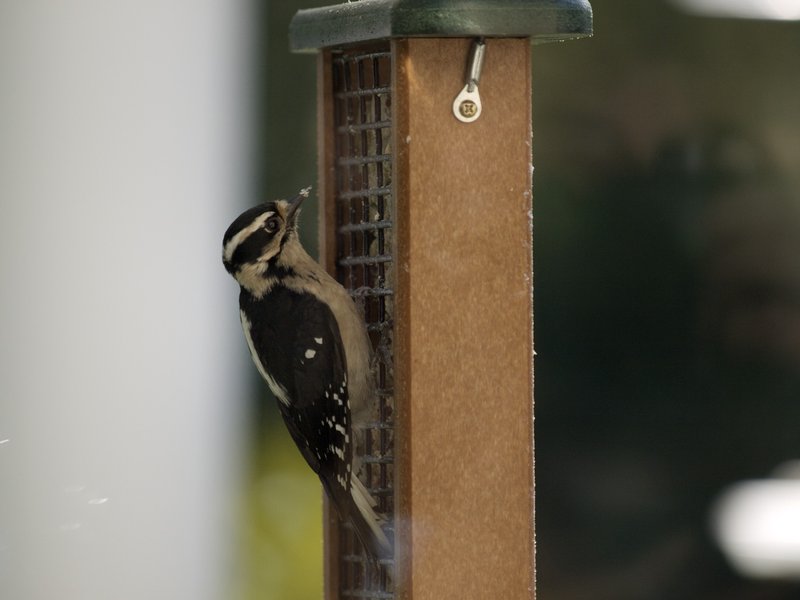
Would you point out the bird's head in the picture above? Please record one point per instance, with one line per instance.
(252, 245)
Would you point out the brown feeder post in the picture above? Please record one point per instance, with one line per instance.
(425, 187)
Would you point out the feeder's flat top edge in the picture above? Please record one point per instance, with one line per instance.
(370, 20)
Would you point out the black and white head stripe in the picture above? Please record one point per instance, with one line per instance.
(242, 231)
(251, 224)
(248, 238)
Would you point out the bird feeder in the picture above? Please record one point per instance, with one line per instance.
(424, 124)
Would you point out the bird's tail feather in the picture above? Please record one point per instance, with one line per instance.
(367, 523)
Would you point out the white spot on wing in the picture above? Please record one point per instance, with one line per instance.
(311, 353)
(318, 340)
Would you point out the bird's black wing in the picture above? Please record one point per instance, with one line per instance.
(297, 341)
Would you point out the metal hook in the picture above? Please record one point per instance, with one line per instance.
(467, 105)
(476, 63)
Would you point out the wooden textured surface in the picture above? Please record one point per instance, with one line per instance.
(463, 335)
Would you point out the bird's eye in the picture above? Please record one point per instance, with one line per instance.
(272, 224)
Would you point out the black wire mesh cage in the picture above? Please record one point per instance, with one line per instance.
(363, 189)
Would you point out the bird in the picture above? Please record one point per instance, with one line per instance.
(310, 345)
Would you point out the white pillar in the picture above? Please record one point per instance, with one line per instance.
(122, 160)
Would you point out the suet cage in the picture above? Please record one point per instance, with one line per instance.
(426, 219)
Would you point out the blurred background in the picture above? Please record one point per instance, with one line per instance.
(140, 457)
(667, 295)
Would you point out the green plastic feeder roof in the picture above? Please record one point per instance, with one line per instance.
(371, 20)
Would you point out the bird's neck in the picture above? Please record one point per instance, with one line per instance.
(259, 277)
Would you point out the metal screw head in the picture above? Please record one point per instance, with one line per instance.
(468, 108)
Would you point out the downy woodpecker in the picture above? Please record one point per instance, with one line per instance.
(310, 345)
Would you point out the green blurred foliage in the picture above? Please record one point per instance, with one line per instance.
(281, 524)
(667, 293)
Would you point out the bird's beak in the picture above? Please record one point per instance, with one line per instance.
(295, 203)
